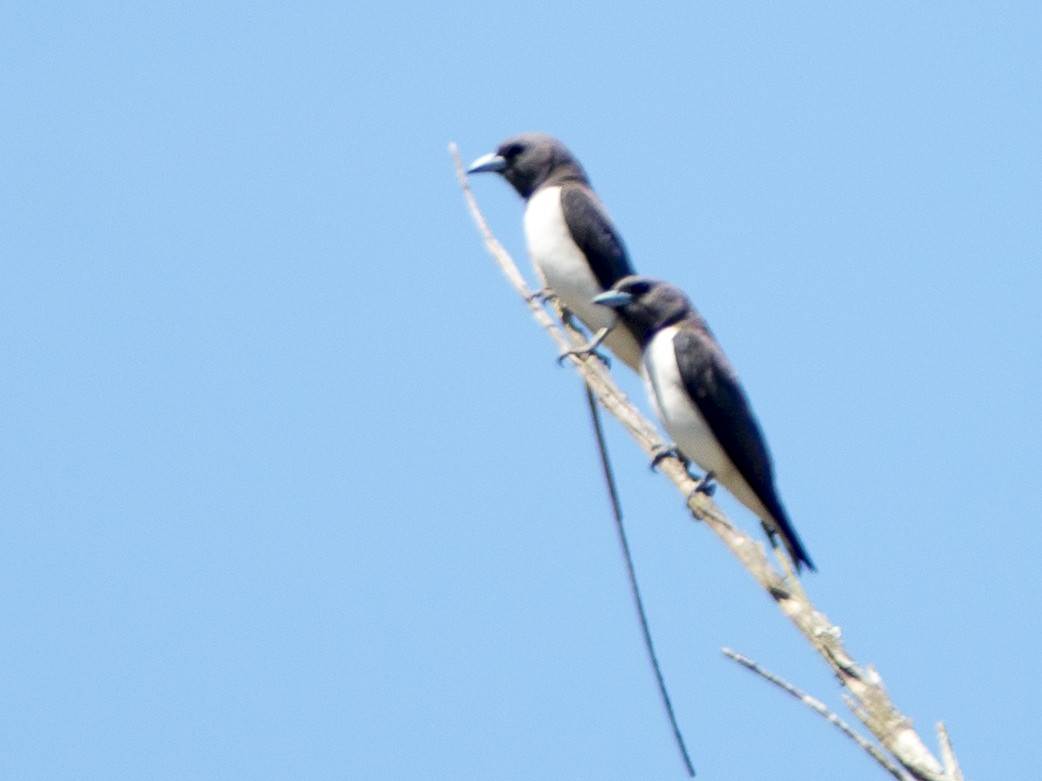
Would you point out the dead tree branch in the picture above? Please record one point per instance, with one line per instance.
(870, 701)
(820, 708)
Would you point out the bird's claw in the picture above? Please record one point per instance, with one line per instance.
(542, 295)
(705, 485)
(583, 352)
(664, 451)
(590, 348)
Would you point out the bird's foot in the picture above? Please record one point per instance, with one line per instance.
(666, 450)
(589, 349)
(705, 485)
(669, 450)
(584, 352)
(542, 295)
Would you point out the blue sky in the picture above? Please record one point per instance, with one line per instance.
(293, 488)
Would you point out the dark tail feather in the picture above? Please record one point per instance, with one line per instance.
(784, 529)
(796, 550)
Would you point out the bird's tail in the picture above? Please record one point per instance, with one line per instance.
(781, 527)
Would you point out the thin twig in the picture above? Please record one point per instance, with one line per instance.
(818, 707)
(873, 705)
(951, 765)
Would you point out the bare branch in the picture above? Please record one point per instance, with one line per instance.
(951, 766)
(871, 703)
(818, 707)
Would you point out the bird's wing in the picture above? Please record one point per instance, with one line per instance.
(713, 386)
(594, 234)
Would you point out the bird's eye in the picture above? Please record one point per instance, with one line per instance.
(511, 151)
(639, 288)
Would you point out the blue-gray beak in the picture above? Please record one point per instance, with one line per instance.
(616, 299)
(490, 162)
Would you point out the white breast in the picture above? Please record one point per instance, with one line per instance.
(684, 423)
(558, 260)
(563, 268)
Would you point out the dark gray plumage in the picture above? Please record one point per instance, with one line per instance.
(571, 239)
(699, 400)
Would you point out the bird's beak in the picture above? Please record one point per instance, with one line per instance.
(490, 162)
(616, 299)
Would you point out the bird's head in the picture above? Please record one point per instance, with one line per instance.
(646, 305)
(529, 161)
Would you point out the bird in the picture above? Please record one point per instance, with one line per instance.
(572, 241)
(699, 400)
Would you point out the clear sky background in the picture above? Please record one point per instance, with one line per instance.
(291, 486)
